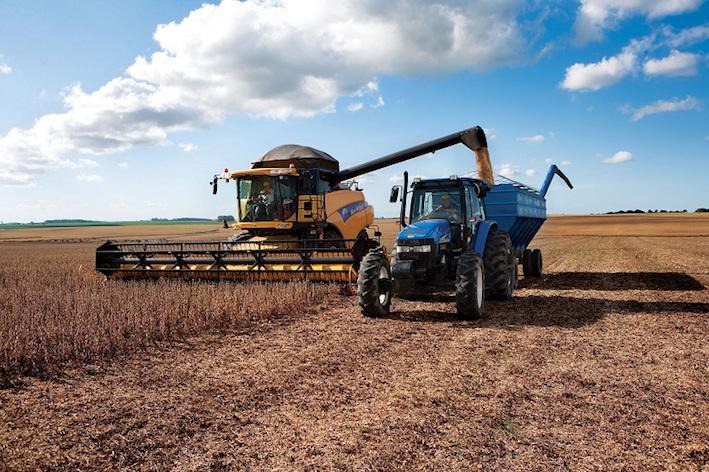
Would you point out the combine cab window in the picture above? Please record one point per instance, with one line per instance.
(436, 203)
(266, 198)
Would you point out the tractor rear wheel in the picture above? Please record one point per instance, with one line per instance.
(470, 286)
(499, 266)
(374, 284)
(535, 263)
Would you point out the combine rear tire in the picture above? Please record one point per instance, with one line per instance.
(499, 266)
(374, 284)
(470, 286)
(535, 263)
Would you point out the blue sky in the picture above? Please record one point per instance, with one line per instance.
(105, 115)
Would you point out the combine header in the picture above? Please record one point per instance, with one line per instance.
(298, 217)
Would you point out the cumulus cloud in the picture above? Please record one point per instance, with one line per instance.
(618, 157)
(379, 103)
(594, 17)
(188, 147)
(676, 64)
(530, 173)
(662, 106)
(686, 36)
(89, 178)
(4, 68)
(123, 165)
(609, 70)
(396, 178)
(356, 106)
(537, 138)
(277, 59)
(507, 170)
(565, 163)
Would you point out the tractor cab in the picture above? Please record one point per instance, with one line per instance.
(442, 221)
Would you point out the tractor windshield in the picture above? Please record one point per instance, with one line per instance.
(443, 203)
(266, 198)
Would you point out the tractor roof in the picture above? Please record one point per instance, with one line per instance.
(302, 157)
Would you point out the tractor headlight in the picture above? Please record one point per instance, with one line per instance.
(413, 246)
(423, 248)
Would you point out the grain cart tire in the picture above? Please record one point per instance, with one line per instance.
(374, 284)
(535, 263)
(499, 266)
(526, 256)
(470, 286)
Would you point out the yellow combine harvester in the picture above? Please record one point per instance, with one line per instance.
(298, 217)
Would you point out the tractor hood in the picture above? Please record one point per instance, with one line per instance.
(435, 229)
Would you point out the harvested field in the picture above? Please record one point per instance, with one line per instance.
(601, 365)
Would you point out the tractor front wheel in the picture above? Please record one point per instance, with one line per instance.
(470, 286)
(374, 284)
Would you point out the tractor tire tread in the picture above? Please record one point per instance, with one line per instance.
(498, 260)
(467, 305)
(367, 288)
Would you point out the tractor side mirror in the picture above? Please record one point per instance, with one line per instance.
(394, 195)
(214, 185)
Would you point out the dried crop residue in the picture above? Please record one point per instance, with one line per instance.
(600, 366)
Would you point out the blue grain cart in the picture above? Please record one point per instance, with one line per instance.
(520, 211)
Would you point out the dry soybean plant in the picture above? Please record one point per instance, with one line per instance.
(51, 315)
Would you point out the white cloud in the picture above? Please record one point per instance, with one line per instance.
(594, 17)
(530, 173)
(89, 178)
(356, 106)
(396, 178)
(4, 68)
(188, 147)
(507, 170)
(662, 106)
(261, 58)
(686, 36)
(618, 157)
(537, 138)
(565, 163)
(609, 70)
(123, 164)
(547, 160)
(676, 64)
(379, 103)
(87, 163)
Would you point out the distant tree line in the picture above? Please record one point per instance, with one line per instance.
(626, 212)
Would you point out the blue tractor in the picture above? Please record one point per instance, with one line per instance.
(464, 232)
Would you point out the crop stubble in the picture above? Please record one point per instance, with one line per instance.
(600, 366)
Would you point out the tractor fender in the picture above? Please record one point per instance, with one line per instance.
(482, 230)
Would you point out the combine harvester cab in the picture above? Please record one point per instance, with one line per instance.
(520, 211)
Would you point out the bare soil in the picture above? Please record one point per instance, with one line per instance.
(601, 365)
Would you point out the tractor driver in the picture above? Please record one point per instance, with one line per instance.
(448, 209)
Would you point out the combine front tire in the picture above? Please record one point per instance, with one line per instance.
(499, 266)
(470, 286)
(374, 284)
